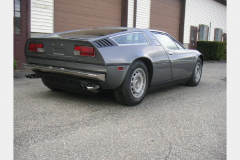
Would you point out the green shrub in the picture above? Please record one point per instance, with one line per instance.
(14, 64)
(225, 51)
(212, 50)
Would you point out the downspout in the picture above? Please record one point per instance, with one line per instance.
(28, 25)
(182, 19)
(124, 18)
(135, 14)
(210, 27)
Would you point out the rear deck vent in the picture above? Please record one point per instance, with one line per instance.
(103, 43)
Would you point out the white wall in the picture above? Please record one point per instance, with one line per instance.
(130, 13)
(203, 12)
(42, 16)
(143, 13)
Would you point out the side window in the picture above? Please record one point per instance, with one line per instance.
(180, 47)
(132, 38)
(166, 41)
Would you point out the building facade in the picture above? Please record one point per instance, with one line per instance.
(204, 20)
(48, 16)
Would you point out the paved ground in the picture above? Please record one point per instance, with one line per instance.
(176, 123)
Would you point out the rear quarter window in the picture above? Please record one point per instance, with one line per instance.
(131, 38)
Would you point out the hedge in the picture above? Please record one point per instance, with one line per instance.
(14, 64)
(212, 50)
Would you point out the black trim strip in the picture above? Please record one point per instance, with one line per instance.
(118, 64)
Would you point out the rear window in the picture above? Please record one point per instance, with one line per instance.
(131, 38)
(88, 33)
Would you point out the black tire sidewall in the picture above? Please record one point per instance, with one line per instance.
(191, 81)
(194, 74)
(130, 98)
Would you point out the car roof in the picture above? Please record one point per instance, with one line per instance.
(94, 33)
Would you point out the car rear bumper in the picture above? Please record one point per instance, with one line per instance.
(78, 73)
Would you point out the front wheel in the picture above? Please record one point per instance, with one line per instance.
(197, 74)
(135, 85)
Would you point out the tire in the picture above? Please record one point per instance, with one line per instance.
(196, 75)
(134, 86)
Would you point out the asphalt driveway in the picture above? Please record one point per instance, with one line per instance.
(180, 122)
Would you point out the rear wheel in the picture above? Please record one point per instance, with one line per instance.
(197, 74)
(135, 85)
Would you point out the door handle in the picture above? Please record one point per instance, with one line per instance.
(170, 53)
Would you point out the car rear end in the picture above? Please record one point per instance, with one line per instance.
(70, 62)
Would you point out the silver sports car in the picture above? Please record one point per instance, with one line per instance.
(129, 61)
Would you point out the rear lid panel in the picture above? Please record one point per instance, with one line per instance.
(62, 50)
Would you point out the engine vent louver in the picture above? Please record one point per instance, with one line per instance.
(103, 43)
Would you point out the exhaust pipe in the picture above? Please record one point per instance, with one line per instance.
(31, 76)
(91, 87)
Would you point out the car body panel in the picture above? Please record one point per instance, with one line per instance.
(62, 50)
(67, 64)
(182, 63)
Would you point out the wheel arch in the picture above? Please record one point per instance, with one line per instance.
(201, 57)
(149, 66)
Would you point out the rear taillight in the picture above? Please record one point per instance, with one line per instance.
(84, 51)
(36, 47)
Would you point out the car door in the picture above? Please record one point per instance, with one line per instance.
(182, 60)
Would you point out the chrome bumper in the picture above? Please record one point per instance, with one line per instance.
(83, 74)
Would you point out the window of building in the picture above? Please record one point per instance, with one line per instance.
(17, 16)
(131, 38)
(218, 33)
(203, 32)
(224, 37)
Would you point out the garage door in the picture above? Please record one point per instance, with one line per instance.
(165, 16)
(82, 14)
